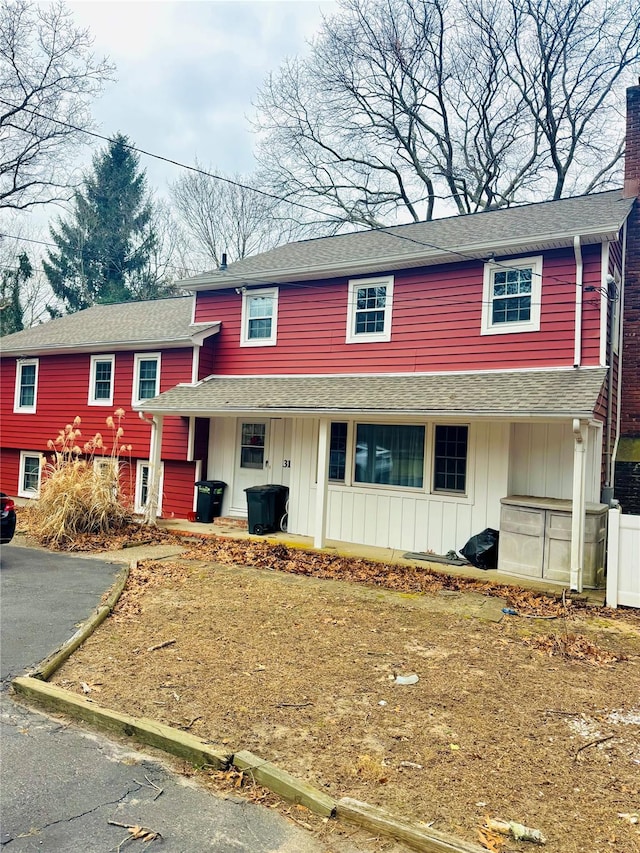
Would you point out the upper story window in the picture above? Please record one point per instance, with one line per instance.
(146, 377)
(26, 393)
(101, 380)
(259, 317)
(369, 309)
(511, 296)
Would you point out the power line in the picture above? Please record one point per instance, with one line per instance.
(330, 218)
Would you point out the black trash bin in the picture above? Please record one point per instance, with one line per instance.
(209, 502)
(266, 506)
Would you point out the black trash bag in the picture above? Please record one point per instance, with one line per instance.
(482, 549)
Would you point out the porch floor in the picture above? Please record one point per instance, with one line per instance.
(230, 528)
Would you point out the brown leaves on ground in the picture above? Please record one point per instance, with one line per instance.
(401, 577)
(573, 647)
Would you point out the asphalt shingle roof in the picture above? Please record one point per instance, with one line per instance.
(570, 393)
(156, 322)
(533, 227)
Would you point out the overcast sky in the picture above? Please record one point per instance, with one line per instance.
(187, 72)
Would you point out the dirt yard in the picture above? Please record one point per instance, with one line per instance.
(530, 719)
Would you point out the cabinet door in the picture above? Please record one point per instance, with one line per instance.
(521, 547)
(557, 546)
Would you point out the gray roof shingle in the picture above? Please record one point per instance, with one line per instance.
(533, 227)
(569, 393)
(158, 322)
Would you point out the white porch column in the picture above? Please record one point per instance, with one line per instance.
(580, 433)
(155, 456)
(322, 485)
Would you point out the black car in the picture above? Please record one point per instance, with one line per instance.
(8, 517)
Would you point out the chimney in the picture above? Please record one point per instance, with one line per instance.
(627, 473)
(632, 154)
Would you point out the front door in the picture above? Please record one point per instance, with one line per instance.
(262, 451)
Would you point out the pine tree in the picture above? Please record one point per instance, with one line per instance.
(104, 247)
(11, 319)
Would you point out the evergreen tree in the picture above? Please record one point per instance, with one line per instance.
(11, 319)
(104, 248)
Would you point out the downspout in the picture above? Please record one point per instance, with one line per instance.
(620, 341)
(577, 345)
(578, 505)
(611, 289)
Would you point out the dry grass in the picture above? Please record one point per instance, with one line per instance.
(301, 671)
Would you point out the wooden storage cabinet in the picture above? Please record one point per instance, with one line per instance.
(535, 539)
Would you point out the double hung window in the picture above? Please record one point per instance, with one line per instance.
(511, 296)
(146, 377)
(30, 474)
(101, 380)
(369, 310)
(259, 317)
(26, 391)
(143, 485)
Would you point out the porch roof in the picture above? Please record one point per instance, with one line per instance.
(567, 393)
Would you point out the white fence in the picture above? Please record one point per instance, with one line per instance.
(623, 560)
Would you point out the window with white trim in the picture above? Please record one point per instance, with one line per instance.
(369, 307)
(392, 454)
(451, 447)
(26, 392)
(338, 451)
(259, 317)
(146, 377)
(101, 378)
(143, 484)
(511, 296)
(30, 474)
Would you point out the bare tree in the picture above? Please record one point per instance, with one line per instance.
(228, 217)
(402, 105)
(48, 78)
(22, 279)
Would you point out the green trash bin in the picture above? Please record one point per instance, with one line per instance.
(266, 506)
(209, 501)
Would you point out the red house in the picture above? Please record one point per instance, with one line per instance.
(411, 385)
(91, 363)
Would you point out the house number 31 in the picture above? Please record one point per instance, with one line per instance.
(286, 463)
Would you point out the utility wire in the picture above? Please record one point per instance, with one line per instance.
(387, 229)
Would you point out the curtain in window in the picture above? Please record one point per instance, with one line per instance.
(392, 454)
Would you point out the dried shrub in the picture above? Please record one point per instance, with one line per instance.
(81, 491)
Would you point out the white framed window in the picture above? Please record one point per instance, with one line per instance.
(30, 474)
(146, 377)
(143, 483)
(450, 458)
(259, 317)
(390, 454)
(26, 392)
(369, 309)
(101, 377)
(511, 296)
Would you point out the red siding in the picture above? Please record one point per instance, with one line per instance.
(436, 325)
(63, 387)
(179, 479)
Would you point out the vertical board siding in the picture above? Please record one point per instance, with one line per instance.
(395, 518)
(436, 325)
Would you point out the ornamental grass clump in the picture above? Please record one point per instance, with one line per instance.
(81, 491)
